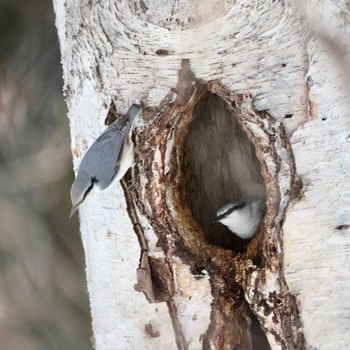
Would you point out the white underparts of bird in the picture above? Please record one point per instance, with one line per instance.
(108, 158)
(242, 217)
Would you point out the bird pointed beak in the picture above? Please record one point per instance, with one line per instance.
(73, 210)
(215, 221)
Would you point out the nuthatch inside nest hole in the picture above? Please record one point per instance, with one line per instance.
(242, 217)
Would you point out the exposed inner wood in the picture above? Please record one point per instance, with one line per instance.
(173, 197)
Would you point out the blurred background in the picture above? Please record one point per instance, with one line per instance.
(43, 297)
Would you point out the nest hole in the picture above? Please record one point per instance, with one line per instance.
(219, 166)
(259, 339)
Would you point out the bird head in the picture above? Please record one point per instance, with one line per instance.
(82, 185)
(227, 210)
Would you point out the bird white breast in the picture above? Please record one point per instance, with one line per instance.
(126, 160)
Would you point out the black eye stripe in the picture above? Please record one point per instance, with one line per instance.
(93, 181)
(231, 210)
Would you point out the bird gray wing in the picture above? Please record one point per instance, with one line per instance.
(104, 153)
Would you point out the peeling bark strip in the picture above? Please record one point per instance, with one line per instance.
(245, 283)
(154, 276)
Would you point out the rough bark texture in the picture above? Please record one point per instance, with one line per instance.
(255, 276)
(267, 72)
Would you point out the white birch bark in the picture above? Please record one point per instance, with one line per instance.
(291, 59)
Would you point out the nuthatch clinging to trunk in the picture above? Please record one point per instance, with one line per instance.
(109, 158)
(242, 217)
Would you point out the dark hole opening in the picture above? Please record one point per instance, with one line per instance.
(259, 340)
(220, 165)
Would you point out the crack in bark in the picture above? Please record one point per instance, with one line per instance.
(179, 337)
(154, 276)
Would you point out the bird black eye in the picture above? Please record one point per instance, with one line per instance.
(93, 181)
(230, 210)
(236, 207)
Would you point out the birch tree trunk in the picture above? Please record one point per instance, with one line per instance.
(237, 98)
